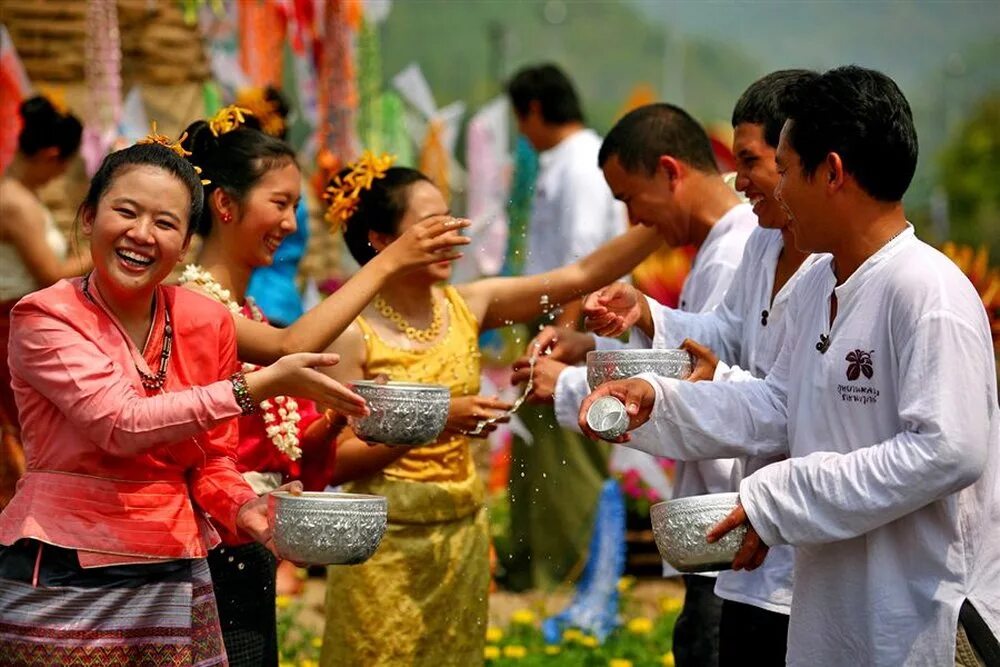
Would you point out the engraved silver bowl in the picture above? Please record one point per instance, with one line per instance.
(327, 528)
(680, 526)
(402, 413)
(606, 365)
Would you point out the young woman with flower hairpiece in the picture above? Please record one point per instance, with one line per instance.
(252, 190)
(127, 392)
(422, 598)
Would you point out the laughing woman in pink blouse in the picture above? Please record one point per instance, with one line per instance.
(127, 392)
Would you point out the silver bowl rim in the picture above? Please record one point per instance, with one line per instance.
(694, 502)
(334, 497)
(414, 387)
(671, 354)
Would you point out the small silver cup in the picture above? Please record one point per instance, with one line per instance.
(607, 417)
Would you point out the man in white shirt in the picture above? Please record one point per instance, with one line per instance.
(658, 160)
(747, 329)
(884, 395)
(556, 473)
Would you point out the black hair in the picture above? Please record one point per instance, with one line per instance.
(145, 155)
(380, 209)
(551, 88)
(234, 161)
(862, 116)
(646, 133)
(45, 127)
(760, 103)
(281, 107)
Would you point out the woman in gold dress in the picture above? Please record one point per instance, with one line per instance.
(422, 598)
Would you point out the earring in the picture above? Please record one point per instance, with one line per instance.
(226, 218)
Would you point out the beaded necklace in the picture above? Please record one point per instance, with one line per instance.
(150, 382)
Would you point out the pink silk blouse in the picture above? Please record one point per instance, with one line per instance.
(115, 471)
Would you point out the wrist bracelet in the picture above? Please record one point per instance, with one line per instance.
(242, 393)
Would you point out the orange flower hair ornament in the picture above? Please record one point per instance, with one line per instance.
(344, 192)
(228, 119)
(163, 140)
(255, 102)
(56, 96)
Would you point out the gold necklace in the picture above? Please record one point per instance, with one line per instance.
(427, 335)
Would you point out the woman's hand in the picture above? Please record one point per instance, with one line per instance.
(467, 412)
(427, 242)
(562, 344)
(296, 375)
(253, 518)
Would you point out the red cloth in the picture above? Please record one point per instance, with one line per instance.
(112, 468)
(257, 453)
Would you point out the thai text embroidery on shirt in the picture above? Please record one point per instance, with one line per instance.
(853, 393)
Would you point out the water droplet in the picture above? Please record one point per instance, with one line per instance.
(240, 566)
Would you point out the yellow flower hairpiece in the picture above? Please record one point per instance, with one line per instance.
(56, 96)
(256, 103)
(228, 119)
(163, 140)
(344, 193)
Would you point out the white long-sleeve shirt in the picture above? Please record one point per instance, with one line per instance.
(711, 275)
(747, 329)
(891, 496)
(573, 212)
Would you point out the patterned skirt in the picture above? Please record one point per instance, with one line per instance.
(53, 612)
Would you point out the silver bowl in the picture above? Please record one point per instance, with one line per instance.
(402, 413)
(680, 526)
(607, 365)
(327, 528)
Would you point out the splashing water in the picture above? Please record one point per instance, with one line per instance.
(517, 404)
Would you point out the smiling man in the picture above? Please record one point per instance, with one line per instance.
(658, 160)
(884, 394)
(747, 329)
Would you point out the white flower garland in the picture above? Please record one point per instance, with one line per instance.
(281, 416)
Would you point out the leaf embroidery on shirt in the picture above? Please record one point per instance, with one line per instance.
(859, 363)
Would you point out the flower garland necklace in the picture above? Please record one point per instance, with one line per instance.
(281, 417)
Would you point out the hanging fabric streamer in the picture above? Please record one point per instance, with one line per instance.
(434, 157)
(102, 72)
(371, 130)
(14, 87)
(395, 137)
(338, 98)
(594, 607)
(262, 39)
(522, 191)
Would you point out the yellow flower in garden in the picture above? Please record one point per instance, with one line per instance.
(668, 659)
(523, 617)
(589, 641)
(493, 634)
(553, 650)
(626, 584)
(572, 635)
(283, 601)
(308, 663)
(317, 642)
(671, 605)
(515, 652)
(640, 626)
(491, 652)
(619, 662)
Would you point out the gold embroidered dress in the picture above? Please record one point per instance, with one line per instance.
(422, 598)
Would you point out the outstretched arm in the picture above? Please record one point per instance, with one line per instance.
(498, 301)
(941, 448)
(429, 241)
